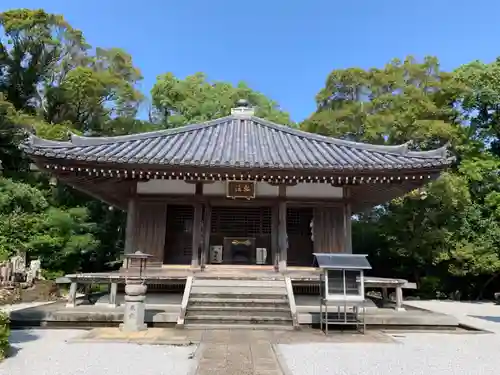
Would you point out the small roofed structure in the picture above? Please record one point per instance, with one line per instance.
(342, 276)
(342, 286)
(238, 179)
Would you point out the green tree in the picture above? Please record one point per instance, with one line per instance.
(405, 101)
(91, 96)
(38, 48)
(28, 224)
(196, 99)
(445, 236)
(47, 73)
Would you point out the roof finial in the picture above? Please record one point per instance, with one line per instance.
(242, 103)
(242, 109)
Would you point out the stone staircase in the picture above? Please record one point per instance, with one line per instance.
(218, 302)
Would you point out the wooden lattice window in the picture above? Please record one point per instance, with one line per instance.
(241, 221)
(298, 221)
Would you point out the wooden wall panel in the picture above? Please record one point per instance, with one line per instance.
(179, 236)
(300, 245)
(329, 230)
(150, 227)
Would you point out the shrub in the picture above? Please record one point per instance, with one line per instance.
(4, 334)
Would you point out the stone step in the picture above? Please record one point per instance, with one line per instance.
(281, 312)
(243, 296)
(239, 302)
(238, 319)
(239, 283)
(241, 318)
(238, 289)
(270, 327)
(236, 277)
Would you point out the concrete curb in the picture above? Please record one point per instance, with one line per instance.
(281, 361)
(24, 306)
(131, 341)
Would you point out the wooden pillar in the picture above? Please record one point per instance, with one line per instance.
(317, 230)
(282, 231)
(198, 213)
(348, 228)
(282, 237)
(130, 228)
(274, 237)
(207, 223)
(337, 238)
(347, 222)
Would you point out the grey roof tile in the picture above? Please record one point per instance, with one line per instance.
(238, 142)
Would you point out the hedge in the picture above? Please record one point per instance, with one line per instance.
(4, 334)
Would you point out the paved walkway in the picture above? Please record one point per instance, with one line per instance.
(251, 352)
(230, 352)
(242, 353)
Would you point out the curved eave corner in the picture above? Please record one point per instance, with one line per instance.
(34, 142)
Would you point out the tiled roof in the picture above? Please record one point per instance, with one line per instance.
(237, 142)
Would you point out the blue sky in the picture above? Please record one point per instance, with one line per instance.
(284, 49)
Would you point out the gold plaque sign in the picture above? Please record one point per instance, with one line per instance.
(241, 242)
(240, 189)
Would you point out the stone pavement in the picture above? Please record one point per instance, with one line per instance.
(152, 336)
(232, 352)
(478, 315)
(251, 352)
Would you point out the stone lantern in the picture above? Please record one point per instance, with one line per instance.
(135, 292)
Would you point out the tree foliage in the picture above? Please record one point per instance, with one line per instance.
(406, 100)
(195, 99)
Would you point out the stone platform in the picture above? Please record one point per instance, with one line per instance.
(163, 310)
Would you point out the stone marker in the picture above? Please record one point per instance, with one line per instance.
(135, 295)
(33, 272)
(18, 267)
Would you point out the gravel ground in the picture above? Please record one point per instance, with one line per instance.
(46, 352)
(415, 353)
